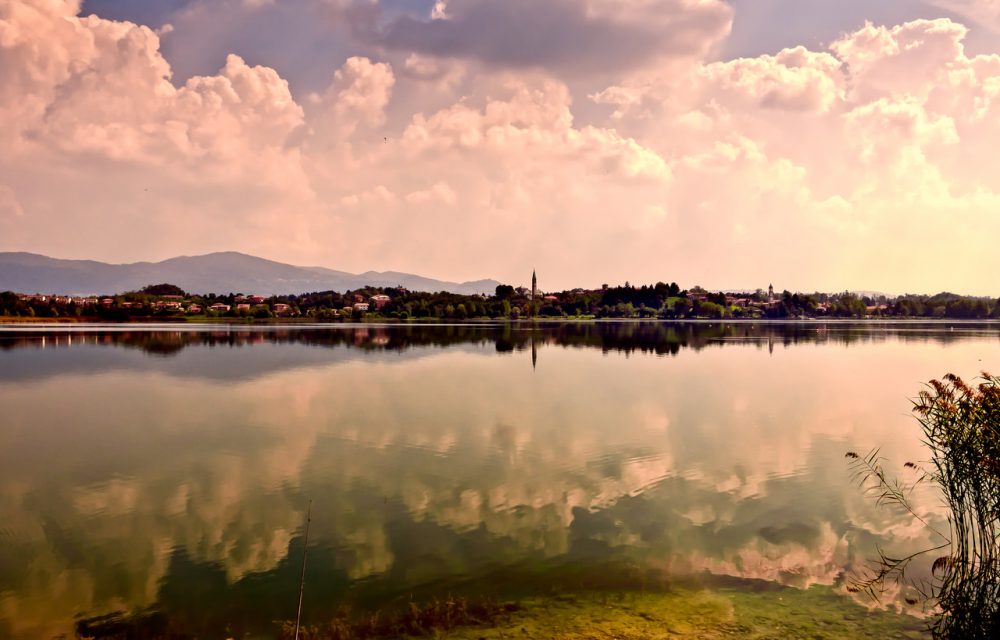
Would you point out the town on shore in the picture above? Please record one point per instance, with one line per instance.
(659, 301)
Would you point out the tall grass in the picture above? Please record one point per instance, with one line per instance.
(961, 427)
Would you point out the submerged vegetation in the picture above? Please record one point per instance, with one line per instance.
(433, 618)
(759, 610)
(557, 599)
(961, 426)
(816, 614)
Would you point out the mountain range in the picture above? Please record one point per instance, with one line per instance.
(223, 272)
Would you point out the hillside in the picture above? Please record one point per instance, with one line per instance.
(222, 272)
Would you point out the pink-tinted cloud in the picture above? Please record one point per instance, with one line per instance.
(575, 36)
(812, 166)
(984, 12)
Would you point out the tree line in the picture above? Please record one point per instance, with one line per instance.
(657, 301)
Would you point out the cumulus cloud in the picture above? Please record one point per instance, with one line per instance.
(532, 118)
(874, 138)
(985, 12)
(87, 85)
(794, 80)
(361, 90)
(443, 72)
(9, 206)
(574, 36)
(885, 137)
(439, 192)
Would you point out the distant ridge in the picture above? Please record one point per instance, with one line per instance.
(223, 272)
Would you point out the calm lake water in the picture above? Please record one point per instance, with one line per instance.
(170, 469)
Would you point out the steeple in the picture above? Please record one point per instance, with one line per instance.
(534, 285)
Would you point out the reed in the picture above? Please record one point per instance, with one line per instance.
(961, 427)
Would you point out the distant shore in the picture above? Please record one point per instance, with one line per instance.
(8, 321)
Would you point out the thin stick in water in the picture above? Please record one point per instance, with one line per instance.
(302, 580)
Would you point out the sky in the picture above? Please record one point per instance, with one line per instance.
(805, 143)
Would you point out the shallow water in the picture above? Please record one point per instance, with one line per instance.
(171, 468)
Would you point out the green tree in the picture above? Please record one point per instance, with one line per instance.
(164, 289)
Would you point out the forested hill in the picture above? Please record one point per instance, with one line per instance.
(214, 272)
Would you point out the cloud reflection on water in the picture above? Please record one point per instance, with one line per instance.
(428, 458)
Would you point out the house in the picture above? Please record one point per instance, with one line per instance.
(361, 306)
(107, 302)
(551, 298)
(219, 307)
(379, 301)
(243, 307)
(256, 299)
(195, 308)
(281, 308)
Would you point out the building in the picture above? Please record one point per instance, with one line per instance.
(534, 285)
(219, 307)
(361, 306)
(379, 301)
(281, 308)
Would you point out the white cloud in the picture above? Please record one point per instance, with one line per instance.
(360, 91)
(577, 37)
(793, 80)
(886, 137)
(439, 193)
(9, 205)
(984, 12)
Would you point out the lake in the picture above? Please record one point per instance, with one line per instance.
(170, 469)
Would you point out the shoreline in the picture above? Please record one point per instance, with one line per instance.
(11, 322)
